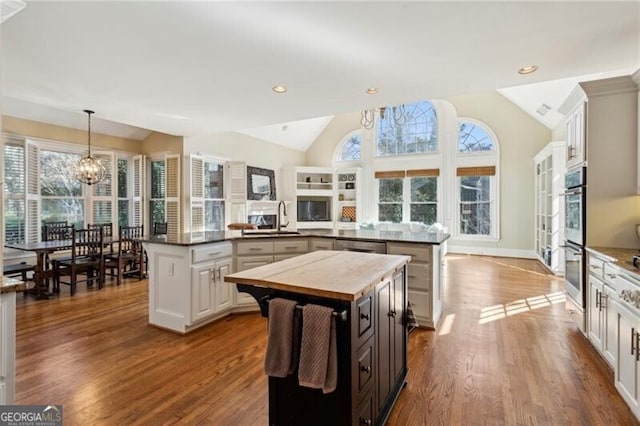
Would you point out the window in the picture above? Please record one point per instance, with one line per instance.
(158, 191)
(14, 193)
(61, 197)
(390, 200)
(473, 138)
(424, 199)
(123, 192)
(475, 205)
(348, 148)
(417, 133)
(213, 196)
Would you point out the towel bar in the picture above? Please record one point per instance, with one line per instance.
(339, 315)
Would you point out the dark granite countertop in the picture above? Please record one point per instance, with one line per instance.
(192, 239)
(622, 257)
(11, 285)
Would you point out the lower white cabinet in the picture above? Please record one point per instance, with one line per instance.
(627, 367)
(209, 293)
(186, 284)
(601, 311)
(424, 280)
(7, 347)
(253, 253)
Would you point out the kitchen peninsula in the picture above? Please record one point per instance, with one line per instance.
(367, 293)
(187, 291)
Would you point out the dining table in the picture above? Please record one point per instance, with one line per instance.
(42, 270)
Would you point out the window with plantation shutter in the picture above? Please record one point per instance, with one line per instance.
(14, 192)
(102, 200)
(207, 187)
(172, 177)
(237, 172)
(197, 195)
(33, 192)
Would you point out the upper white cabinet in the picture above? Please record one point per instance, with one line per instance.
(549, 168)
(575, 129)
(602, 121)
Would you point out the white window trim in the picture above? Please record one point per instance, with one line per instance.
(478, 159)
(335, 159)
(406, 199)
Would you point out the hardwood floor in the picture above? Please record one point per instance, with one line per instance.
(505, 352)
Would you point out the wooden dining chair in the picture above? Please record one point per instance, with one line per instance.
(107, 228)
(86, 259)
(52, 231)
(128, 261)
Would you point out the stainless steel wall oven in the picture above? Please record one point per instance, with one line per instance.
(575, 239)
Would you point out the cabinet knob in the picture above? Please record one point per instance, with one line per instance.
(392, 314)
(364, 316)
(365, 421)
(366, 369)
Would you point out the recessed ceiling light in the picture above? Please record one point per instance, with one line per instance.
(279, 89)
(527, 70)
(373, 90)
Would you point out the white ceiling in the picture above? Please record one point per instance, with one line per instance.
(194, 68)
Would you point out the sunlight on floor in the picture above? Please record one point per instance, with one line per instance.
(447, 323)
(496, 312)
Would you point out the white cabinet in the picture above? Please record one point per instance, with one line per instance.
(627, 371)
(7, 347)
(424, 280)
(549, 165)
(186, 284)
(209, 293)
(601, 312)
(322, 197)
(320, 244)
(348, 198)
(575, 134)
(252, 253)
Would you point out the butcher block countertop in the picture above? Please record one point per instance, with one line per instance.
(342, 275)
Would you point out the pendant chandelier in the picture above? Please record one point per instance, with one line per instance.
(396, 116)
(88, 169)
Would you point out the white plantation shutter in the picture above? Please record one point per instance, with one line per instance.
(196, 173)
(15, 192)
(104, 192)
(33, 192)
(237, 172)
(138, 207)
(172, 196)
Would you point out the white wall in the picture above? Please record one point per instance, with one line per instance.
(240, 147)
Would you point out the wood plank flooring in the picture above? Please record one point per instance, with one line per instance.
(505, 353)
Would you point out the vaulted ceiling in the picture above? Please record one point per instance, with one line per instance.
(194, 68)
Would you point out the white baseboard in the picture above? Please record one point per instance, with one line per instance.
(492, 251)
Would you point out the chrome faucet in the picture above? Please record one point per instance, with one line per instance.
(279, 224)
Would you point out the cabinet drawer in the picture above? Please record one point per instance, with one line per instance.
(366, 414)
(290, 246)
(210, 252)
(595, 266)
(254, 247)
(320, 244)
(418, 276)
(365, 365)
(610, 272)
(418, 253)
(364, 310)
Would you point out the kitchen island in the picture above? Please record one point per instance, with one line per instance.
(368, 293)
(186, 290)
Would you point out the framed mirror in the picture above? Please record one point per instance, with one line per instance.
(261, 184)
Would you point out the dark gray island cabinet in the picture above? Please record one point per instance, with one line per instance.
(368, 294)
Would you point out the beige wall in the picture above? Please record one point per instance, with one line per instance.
(64, 134)
(161, 142)
(520, 138)
(239, 147)
(320, 153)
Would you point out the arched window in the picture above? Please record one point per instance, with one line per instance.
(473, 138)
(477, 171)
(348, 148)
(407, 129)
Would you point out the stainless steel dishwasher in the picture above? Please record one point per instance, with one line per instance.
(361, 246)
